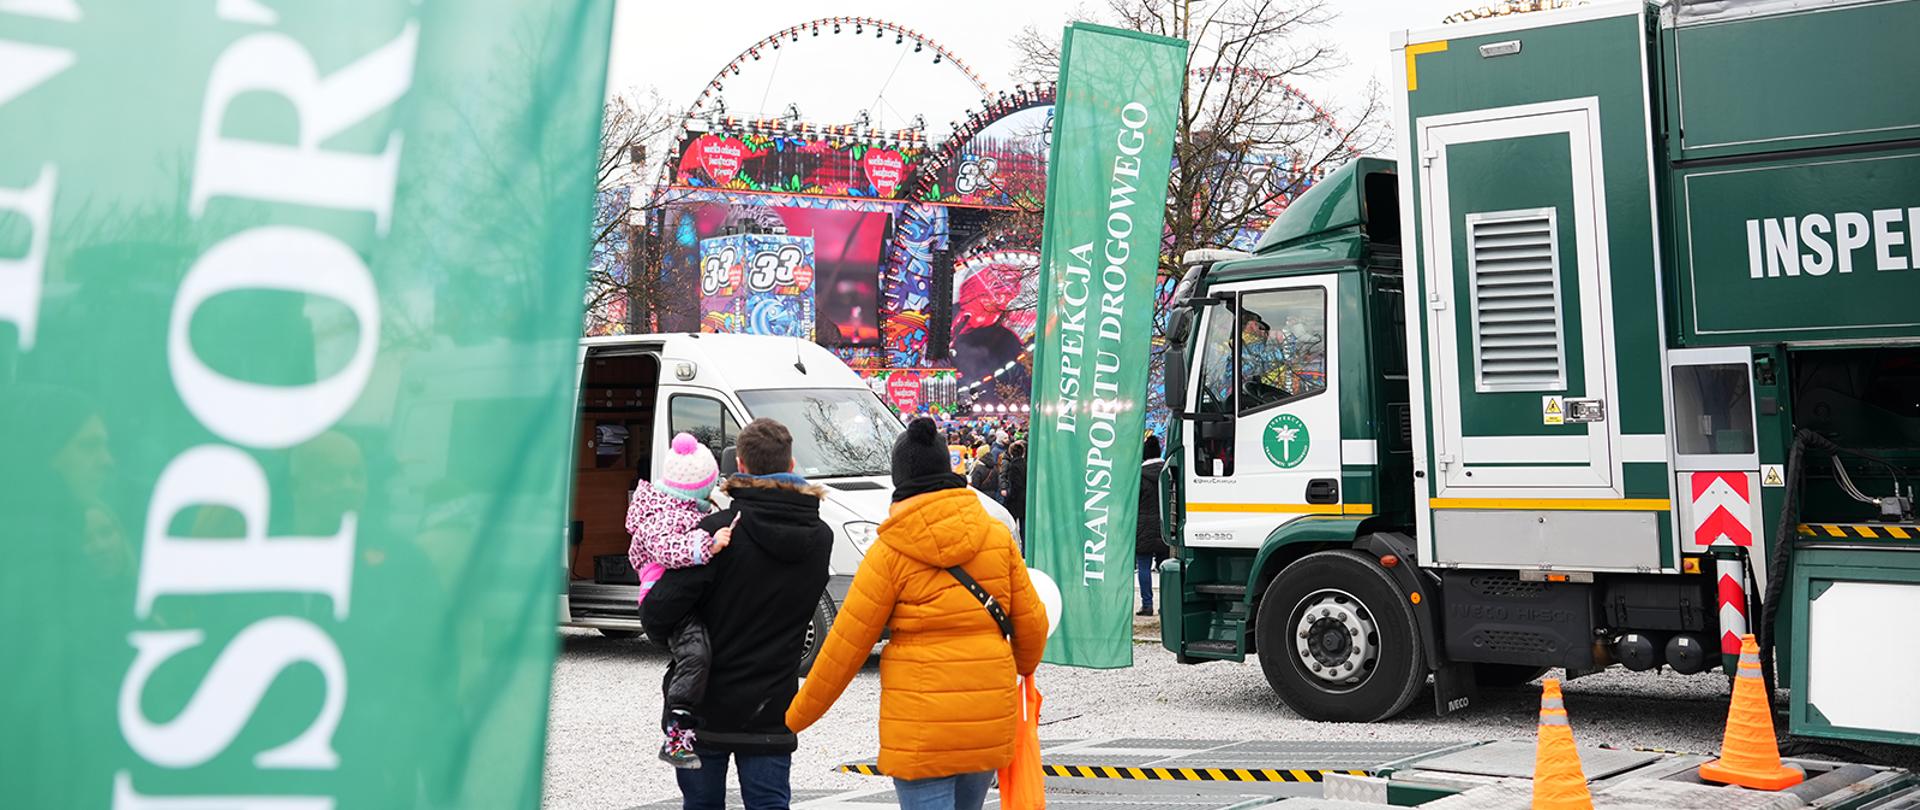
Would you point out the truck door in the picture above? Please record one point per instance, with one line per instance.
(1518, 305)
(1265, 446)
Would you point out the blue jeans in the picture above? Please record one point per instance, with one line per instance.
(967, 791)
(764, 781)
(1143, 565)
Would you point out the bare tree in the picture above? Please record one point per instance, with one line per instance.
(627, 262)
(1247, 141)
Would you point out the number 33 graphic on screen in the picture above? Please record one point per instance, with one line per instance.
(779, 268)
(719, 273)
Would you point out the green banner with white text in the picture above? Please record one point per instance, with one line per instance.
(290, 297)
(1114, 122)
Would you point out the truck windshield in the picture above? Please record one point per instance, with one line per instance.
(837, 432)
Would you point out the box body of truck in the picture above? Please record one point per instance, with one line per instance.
(1662, 315)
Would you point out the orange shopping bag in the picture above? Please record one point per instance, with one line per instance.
(1022, 784)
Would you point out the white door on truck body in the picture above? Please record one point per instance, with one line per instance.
(1518, 309)
(1265, 442)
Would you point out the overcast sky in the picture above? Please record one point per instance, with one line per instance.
(676, 46)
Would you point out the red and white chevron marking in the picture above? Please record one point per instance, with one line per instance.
(1722, 509)
(1733, 603)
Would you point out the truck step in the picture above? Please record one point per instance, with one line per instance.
(1211, 649)
(1222, 590)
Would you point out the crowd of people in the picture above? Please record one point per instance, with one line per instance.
(730, 593)
(992, 456)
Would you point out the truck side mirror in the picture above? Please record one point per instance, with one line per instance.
(729, 461)
(1179, 328)
(1173, 377)
(1179, 325)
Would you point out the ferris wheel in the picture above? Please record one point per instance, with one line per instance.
(712, 96)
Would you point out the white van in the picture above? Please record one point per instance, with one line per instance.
(637, 391)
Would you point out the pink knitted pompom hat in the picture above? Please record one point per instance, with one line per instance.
(689, 470)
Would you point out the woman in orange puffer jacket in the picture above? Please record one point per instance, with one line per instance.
(948, 692)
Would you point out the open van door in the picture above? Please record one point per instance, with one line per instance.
(571, 537)
(615, 437)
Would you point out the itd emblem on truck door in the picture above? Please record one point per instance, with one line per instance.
(1285, 441)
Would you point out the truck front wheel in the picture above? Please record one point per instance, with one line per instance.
(1337, 640)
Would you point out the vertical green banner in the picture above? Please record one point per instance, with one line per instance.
(289, 302)
(1113, 130)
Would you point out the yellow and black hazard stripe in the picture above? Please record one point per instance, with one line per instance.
(1162, 774)
(1645, 749)
(1859, 531)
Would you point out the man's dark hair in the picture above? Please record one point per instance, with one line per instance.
(764, 447)
(1151, 448)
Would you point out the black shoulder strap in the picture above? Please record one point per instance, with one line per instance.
(993, 608)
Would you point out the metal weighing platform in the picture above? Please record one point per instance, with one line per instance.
(1136, 774)
(1496, 776)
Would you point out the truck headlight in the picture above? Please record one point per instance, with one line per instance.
(863, 533)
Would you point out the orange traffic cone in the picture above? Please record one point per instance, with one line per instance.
(1749, 754)
(1558, 781)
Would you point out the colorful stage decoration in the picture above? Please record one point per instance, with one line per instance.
(860, 358)
(996, 281)
(757, 284)
(884, 209)
(915, 390)
(918, 231)
(606, 297)
(1157, 411)
(818, 165)
(845, 241)
(997, 158)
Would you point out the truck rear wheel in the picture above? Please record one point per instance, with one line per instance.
(1337, 640)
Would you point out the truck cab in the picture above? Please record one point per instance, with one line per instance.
(1290, 442)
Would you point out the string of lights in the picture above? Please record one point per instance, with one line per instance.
(991, 109)
(832, 25)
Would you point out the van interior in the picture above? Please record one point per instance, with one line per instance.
(618, 393)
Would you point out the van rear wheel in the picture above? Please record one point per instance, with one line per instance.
(1337, 640)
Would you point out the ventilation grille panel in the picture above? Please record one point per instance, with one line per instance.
(1516, 641)
(1517, 330)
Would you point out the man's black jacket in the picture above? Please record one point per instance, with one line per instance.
(756, 599)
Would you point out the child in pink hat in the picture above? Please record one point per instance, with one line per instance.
(664, 519)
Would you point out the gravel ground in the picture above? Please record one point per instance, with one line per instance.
(602, 734)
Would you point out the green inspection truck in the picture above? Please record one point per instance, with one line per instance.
(1618, 361)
